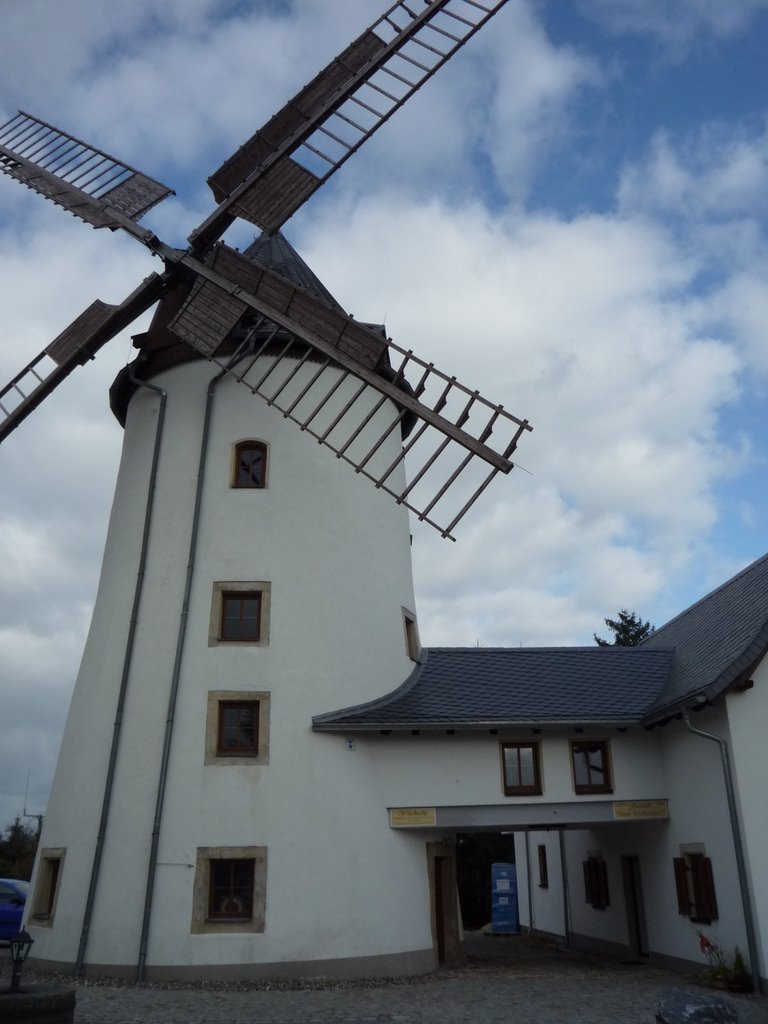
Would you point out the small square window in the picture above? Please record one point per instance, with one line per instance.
(230, 893)
(239, 614)
(238, 728)
(520, 769)
(250, 464)
(591, 767)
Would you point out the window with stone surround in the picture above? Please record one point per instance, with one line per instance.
(46, 894)
(239, 613)
(411, 631)
(229, 889)
(237, 727)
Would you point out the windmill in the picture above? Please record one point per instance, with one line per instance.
(265, 182)
(271, 332)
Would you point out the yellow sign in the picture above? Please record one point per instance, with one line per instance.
(626, 809)
(407, 817)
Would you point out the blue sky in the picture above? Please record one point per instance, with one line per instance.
(571, 217)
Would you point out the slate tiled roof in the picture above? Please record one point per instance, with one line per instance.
(714, 644)
(487, 686)
(279, 255)
(718, 641)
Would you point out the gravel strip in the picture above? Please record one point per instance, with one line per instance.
(519, 984)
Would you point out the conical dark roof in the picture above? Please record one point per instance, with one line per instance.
(276, 252)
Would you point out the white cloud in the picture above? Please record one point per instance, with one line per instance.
(674, 23)
(537, 81)
(711, 188)
(587, 328)
(719, 172)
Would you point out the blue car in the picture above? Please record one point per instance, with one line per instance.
(13, 896)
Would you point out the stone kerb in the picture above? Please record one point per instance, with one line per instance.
(38, 1004)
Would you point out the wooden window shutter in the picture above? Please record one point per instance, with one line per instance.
(703, 881)
(681, 885)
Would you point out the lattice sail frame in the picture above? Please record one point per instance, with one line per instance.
(91, 184)
(298, 149)
(456, 423)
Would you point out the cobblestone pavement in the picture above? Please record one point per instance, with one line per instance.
(514, 981)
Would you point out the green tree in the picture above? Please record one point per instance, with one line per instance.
(628, 630)
(18, 843)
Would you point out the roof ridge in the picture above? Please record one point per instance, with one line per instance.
(707, 597)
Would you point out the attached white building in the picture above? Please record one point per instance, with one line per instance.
(632, 777)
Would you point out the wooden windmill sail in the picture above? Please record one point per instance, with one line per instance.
(265, 182)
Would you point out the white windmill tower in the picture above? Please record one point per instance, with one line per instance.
(197, 827)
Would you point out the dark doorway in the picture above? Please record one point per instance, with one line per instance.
(475, 852)
(441, 864)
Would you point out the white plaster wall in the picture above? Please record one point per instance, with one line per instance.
(436, 769)
(337, 554)
(747, 717)
(608, 924)
(698, 814)
(541, 908)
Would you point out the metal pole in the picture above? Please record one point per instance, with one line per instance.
(738, 847)
(566, 908)
(126, 670)
(530, 880)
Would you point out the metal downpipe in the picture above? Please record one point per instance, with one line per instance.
(566, 892)
(738, 847)
(162, 781)
(529, 872)
(127, 659)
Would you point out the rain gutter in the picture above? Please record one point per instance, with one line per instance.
(125, 674)
(738, 845)
(176, 674)
(432, 725)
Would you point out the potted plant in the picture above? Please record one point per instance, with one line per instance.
(724, 971)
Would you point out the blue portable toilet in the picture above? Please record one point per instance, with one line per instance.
(505, 919)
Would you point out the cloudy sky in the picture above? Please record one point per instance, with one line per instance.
(570, 217)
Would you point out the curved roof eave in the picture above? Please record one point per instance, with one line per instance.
(735, 675)
(470, 725)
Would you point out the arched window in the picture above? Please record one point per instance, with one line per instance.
(250, 468)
